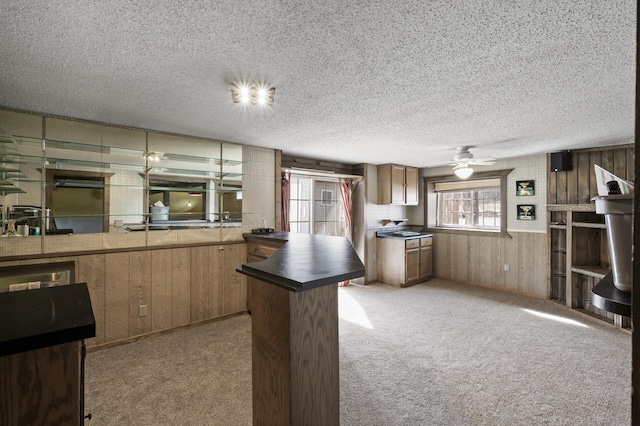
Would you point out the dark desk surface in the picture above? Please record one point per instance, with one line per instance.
(606, 296)
(306, 261)
(34, 319)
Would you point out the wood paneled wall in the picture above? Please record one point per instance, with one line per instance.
(481, 260)
(179, 286)
(578, 185)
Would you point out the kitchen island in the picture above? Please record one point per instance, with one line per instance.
(294, 308)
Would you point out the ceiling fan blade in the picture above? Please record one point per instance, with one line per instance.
(462, 165)
(484, 162)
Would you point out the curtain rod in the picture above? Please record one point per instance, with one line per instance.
(311, 172)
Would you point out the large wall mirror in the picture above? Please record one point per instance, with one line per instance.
(62, 176)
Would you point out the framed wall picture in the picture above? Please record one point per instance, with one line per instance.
(526, 212)
(525, 187)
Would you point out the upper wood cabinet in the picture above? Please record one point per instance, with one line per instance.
(397, 184)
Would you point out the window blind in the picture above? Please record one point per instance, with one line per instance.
(467, 184)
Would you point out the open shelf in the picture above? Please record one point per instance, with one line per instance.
(589, 225)
(578, 256)
(591, 271)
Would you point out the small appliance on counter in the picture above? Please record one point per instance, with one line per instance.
(29, 215)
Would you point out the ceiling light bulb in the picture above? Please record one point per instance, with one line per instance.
(244, 94)
(464, 172)
(262, 96)
(252, 93)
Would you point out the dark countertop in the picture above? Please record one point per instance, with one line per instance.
(306, 261)
(389, 234)
(34, 319)
(606, 296)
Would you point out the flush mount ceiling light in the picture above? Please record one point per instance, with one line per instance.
(252, 93)
(463, 171)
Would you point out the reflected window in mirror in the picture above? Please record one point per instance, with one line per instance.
(78, 201)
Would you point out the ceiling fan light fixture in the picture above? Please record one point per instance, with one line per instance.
(463, 172)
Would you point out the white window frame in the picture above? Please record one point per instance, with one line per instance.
(468, 187)
(451, 181)
(335, 198)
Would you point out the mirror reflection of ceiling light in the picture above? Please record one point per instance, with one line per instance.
(463, 172)
(154, 156)
(252, 93)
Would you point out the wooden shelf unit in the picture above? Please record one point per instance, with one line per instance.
(577, 237)
(578, 255)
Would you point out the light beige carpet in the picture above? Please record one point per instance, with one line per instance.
(437, 353)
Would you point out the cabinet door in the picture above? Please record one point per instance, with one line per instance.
(425, 262)
(232, 291)
(411, 185)
(397, 184)
(412, 266)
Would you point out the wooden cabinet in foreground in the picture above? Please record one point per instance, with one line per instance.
(397, 184)
(404, 262)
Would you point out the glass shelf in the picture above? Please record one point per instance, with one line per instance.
(152, 156)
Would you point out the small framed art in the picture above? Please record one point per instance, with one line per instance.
(526, 212)
(525, 187)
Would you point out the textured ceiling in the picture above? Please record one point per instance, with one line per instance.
(372, 81)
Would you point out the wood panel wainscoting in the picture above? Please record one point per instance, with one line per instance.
(481, 260)
(136, 293)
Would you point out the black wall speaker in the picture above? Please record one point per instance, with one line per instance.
(561, 161)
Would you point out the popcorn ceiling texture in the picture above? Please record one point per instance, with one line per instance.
(359, 81)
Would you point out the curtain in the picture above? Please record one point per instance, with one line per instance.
(346, 190)
(286, 201)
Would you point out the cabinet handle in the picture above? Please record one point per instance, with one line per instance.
(220, 248)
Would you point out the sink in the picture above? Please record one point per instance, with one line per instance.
(405, 234)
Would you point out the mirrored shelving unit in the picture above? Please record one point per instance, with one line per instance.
(85, 178)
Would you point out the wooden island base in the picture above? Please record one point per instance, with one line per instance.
(294, 321)
(295, 355)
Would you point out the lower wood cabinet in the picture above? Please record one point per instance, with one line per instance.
(139, 292)
(403, 262)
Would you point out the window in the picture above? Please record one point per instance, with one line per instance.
(326, 199)
(474, 205)
(314, 207)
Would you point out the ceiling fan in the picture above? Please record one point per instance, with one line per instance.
(464, 158)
